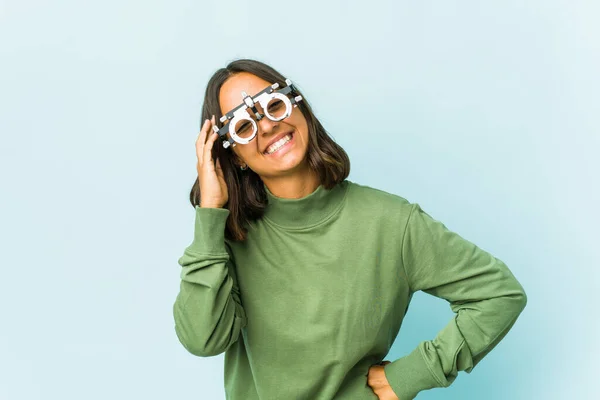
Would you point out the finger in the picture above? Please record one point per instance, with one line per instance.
(209, 146)
(204, 131)
(219, 169)
(210, 127)
(200, 141)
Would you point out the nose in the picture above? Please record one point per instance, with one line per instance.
(267, 126)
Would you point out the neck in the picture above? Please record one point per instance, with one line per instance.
(293, 187)
(300, 213)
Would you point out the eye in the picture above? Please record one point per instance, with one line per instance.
(275, 105)
(243, 127)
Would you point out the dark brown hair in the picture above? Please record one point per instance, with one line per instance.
(247, 197)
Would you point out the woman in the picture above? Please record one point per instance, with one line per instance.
(302, 277)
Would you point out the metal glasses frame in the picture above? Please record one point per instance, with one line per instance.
(241, 112)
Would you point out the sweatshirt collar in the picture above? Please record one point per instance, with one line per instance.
(306, 211)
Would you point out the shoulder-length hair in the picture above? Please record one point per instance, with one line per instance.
(247, 198)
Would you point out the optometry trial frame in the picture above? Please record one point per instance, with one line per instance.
(241, 114)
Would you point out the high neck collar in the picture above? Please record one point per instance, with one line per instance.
(306, 211)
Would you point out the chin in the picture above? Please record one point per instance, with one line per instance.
(283, 167)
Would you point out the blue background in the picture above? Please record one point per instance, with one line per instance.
(486, 114)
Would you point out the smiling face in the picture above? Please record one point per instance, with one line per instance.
(287, 159)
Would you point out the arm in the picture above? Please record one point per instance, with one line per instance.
(208, 312)
(483, 293)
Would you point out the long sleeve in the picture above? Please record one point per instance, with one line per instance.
(482, 292)
(208, 312)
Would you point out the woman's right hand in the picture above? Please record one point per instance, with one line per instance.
(213, 189)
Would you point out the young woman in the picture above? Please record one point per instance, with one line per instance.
(302, 277)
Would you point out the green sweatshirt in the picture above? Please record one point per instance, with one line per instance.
(318, 291)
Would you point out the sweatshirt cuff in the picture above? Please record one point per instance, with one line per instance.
(409, 375)
(209, 231)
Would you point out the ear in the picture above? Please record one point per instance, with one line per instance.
(238, 162)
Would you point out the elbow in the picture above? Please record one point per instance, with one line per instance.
(196, 346)
(515, 297)
(515, 302)
(522, 300)
(511, 304)
(204, 338)
(202, 351)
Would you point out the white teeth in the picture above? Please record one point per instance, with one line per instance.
(275, 146)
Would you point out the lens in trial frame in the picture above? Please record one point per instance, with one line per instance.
(276, 108)
(244, 128)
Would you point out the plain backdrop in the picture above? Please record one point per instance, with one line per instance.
(486, 114)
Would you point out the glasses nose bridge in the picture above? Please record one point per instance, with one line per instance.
(265, 124)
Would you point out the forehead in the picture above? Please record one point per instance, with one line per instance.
(230, 95)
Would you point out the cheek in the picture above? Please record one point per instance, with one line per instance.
(302, 131)
(247, 151)
(297, 119)
(244, 151)
(240, 152)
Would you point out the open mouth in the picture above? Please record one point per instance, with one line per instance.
(280, 145)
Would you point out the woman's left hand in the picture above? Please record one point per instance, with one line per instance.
(379, 383)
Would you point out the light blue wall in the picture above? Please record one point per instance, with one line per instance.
(485, 114)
